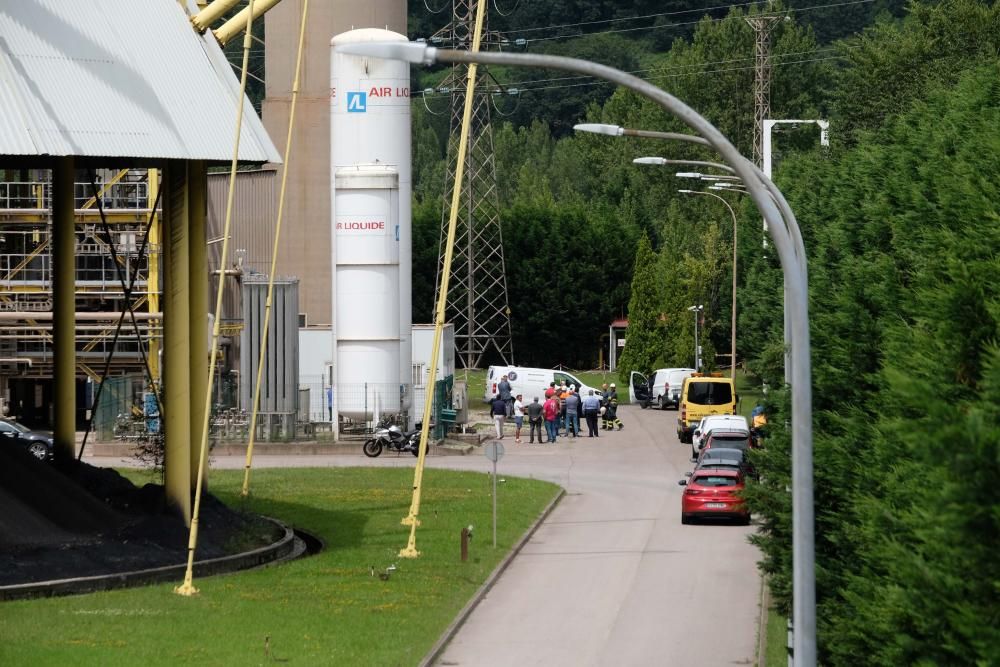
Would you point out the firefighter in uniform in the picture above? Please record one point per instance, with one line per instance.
(611, 410)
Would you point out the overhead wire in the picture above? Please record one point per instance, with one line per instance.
(676, 75)
(791, 10)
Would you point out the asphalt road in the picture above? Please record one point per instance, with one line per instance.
(611, 577)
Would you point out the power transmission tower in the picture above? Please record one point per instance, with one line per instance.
(762, 26)
(477, 295)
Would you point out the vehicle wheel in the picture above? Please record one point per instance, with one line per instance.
(38, 450)
(685, 519)
(372, 448)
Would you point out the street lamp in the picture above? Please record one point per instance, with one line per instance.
(697, 348)
(787, 240)
(732, 331)
(707, 177)
(692, 163)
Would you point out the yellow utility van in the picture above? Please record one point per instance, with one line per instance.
(703, 395)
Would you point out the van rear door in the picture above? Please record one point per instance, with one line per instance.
(640, 389)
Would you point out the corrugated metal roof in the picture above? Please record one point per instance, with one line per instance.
(118, 78)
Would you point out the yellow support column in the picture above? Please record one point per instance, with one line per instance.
(176, 335)
(64, 308)
(198, 277)
(154, 247)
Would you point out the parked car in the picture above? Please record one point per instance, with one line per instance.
(714, 493)
(662, 388)
(728, 439)
(39, 444)
(728, 453)
(714, 422)
(717, 463)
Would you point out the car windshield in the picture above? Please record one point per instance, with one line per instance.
(20, 428)
(714, 480)
(710, 393)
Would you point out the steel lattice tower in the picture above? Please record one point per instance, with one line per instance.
(762, 27)
(477, 296)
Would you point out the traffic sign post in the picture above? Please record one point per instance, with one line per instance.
(494, 452)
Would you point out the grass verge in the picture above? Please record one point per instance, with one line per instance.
(326, 609)
(776, 651)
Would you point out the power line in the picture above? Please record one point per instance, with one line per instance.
(678, 75)
(677, 67)
(673, 25)
(634, 18)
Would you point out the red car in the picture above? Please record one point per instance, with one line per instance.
(713, 494)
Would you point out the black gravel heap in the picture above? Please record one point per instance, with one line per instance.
(71, 519)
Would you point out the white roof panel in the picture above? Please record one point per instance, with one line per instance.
(118, 78)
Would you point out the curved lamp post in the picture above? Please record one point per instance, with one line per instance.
(787, 241)
(732, 334)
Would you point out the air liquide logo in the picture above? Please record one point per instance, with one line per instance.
(357, 102)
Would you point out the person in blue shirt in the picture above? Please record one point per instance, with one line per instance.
(591, 409)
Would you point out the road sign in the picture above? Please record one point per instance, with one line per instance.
(493, 451)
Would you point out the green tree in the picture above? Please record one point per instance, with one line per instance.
(644, 339)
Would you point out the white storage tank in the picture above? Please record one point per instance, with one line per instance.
(371, 229)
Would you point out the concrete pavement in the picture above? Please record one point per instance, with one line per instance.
(611, 577)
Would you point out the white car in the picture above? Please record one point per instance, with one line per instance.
(733, 423)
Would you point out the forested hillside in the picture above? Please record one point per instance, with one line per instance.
(901, 219)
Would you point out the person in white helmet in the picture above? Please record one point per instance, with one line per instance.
(611, 409)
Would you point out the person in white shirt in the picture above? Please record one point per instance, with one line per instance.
(518, 417)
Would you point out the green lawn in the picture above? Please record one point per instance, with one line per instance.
(322, 610)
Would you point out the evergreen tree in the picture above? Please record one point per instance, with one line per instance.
(644, 340)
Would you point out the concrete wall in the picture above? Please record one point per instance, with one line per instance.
(305, 246)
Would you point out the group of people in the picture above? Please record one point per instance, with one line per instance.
(560, 412)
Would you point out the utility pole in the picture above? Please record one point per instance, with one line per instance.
(477, 298)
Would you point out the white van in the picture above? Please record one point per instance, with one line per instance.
(662, 388)
(530, 382)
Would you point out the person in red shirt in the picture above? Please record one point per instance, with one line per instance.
(551, 409)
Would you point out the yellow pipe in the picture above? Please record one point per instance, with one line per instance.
(274, 253)
(212, 13)
(418, 475)
(176, 348)
(107, 186)
(153, 272)
(187, 588)
(198, 276)
(63, 306)
(238, 23)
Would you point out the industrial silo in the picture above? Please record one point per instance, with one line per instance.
(370, 229)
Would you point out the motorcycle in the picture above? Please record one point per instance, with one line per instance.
(394, 439)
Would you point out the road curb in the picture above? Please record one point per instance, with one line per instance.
(470, 606)
(765, 606)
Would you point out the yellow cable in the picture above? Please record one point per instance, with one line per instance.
(274, 256)
(187, 588)
(418, 475)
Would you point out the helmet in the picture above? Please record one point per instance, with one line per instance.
(612, 385)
